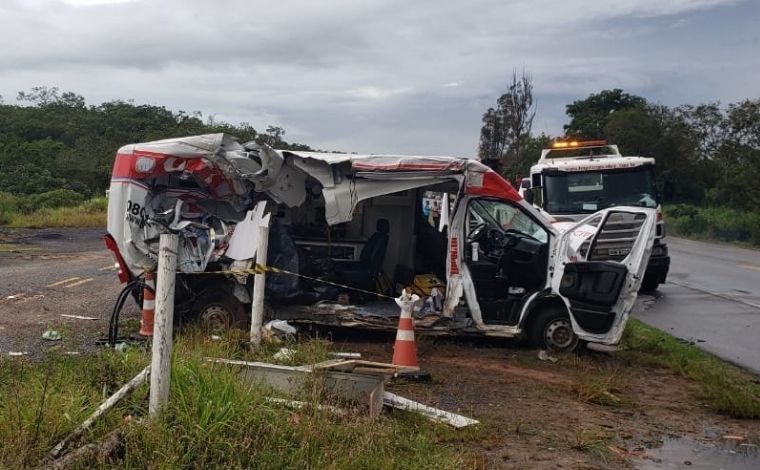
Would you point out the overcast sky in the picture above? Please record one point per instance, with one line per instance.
(379, 76)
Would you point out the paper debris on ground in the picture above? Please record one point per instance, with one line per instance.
(284, 354)
(51, 335)
(297, 405)
(544, 356)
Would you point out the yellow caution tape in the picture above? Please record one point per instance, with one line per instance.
(261, 269)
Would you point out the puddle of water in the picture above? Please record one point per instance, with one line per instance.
(688, 453)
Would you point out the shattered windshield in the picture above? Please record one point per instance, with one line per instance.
(574, 193)
(501, 216)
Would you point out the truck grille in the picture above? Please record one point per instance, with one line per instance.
(616, 238)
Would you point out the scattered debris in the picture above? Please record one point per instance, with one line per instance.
(434, 414)
(138, 380)
(297, 405)
(284, 354)
(72, 353)
(733, 438)
(79, 317)
(121, 347)
(17, 353)
(216, 338)
(280, 328)
(544, 356)
(51, 335)
(346, 355)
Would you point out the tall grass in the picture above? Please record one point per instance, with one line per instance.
(213, 418)
(61, 209)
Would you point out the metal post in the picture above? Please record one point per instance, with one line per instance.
(161, 361)
(259, 282)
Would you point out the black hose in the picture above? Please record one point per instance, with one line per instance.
(113, 326)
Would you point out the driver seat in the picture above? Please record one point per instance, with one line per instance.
(364, 273)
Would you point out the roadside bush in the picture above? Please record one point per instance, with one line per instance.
(717, 223)
(96, 204)
(51, 200)
(90, 213)
(8, 207)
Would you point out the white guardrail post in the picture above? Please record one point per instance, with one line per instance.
(259, 283)
(161, 361)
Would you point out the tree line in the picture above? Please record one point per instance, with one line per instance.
(706, 154)
(52, 140)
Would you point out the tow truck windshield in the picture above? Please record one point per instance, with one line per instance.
(587, 192)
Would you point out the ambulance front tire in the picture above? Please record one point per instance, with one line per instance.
(550, 328)
(219, 310)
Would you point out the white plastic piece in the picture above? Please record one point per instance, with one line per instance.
(244, 239)
(433, 414)
(281, 326)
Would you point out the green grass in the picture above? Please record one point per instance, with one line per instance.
(599, 384)
(13, 247)
(596, 442)
(90, 213)
(213, 419)
(714, 223)
(725, 388)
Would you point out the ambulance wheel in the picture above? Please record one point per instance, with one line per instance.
(219, 311)
(551, 329)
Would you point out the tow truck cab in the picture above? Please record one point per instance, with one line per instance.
(573, 179)
(350, 231)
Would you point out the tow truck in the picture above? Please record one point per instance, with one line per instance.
(573, 179)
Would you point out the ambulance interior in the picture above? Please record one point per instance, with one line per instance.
(392, 242)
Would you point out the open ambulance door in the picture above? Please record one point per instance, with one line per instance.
(600, 293)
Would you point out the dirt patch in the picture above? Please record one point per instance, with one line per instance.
(533, 416)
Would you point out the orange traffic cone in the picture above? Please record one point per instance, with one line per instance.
(405, 349)
(148, 305)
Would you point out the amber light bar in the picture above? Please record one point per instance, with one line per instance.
(574, 144)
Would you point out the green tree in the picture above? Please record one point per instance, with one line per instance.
(55, 141)
(588, 117)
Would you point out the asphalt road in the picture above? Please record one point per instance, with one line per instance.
(712, 298)
(47, 276)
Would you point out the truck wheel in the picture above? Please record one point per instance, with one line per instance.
(219, 311)
(649, 284)
(551, 329)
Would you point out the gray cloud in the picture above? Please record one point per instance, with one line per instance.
(378, 75)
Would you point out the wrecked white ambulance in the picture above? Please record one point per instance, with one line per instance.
(346, 226)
